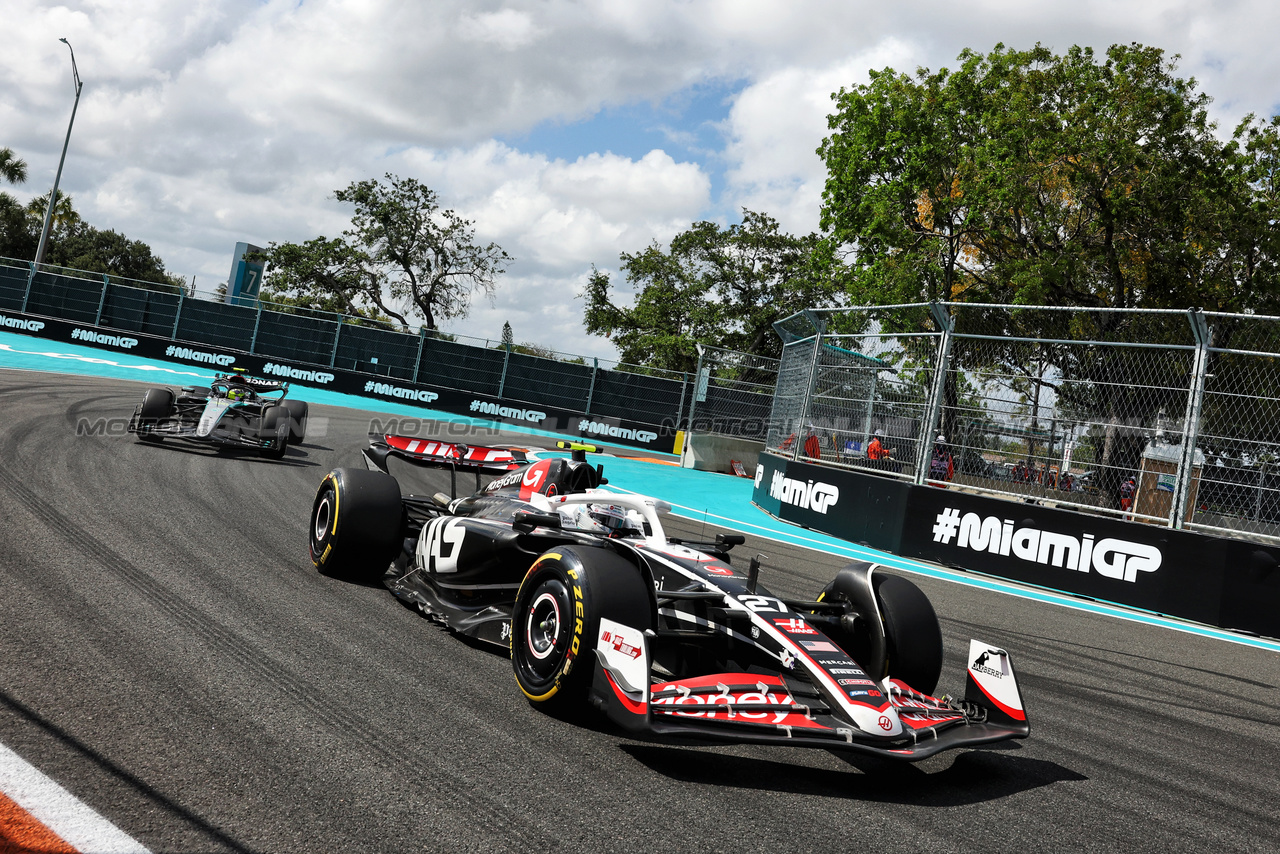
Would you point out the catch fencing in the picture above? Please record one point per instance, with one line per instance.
(735, 394)
(1164, 417)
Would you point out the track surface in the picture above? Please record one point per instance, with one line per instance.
(168, 654)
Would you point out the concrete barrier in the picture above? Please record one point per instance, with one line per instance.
(705, 452)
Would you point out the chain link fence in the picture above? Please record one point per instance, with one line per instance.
(1163, 417)
(733, 393)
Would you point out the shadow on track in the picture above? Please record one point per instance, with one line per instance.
(217, 840)
(973, 777)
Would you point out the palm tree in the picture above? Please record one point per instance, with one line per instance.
(12, 169)
(65, 217)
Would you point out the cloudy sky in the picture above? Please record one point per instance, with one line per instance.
(569, 132)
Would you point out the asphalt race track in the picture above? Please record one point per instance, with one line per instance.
(170, 656)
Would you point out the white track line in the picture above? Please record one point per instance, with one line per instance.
(60, 811)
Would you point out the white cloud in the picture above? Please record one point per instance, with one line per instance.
(213, 121)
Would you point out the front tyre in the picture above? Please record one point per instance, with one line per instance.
(557, 616)
(912, 631)
(157, 406)
(273, 431)
(297, 420)
(356, 525)
(905, 642)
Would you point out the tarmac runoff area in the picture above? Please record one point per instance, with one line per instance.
(716, 498)
(1105, 653)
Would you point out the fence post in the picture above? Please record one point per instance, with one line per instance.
(805, 416)
(699, 390)
(933, 410)
(417, 363)
(337, 336)
(177, 316)
(591, 390)
(253, 342)
(684, 389)
(31, 277)
(506, 357)
(102, 298)
(1191, 420)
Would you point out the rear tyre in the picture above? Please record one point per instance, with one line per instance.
(356, 524)
(157, 406)
(297, 420)
(912, 637)
(273, 429)
(556, 620)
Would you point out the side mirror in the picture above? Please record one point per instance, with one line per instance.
(525, 521)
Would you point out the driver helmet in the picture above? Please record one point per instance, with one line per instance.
(609, 519)
(237, 387)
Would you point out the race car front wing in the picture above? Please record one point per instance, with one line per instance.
(781, 709)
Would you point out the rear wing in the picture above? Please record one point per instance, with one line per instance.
(429, 453)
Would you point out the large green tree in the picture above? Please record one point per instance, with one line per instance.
(1036, 179)
(76, 245)
(1032, 178)
(402, 249)
(722, 287)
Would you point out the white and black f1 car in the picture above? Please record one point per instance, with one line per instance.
(236, 410)
(665, 636)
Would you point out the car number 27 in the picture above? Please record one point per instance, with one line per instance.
(441, 544)
(763, 603)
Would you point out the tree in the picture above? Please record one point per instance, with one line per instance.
(721, 287)
(1035, 179)
(402, 248)
(76, 245)
(12, 168)
(84, 247)
(1030, 178)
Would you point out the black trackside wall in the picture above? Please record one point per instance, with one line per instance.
(1228, 583)
(860, 508)
(592, 428)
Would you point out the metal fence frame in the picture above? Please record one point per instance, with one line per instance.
(812, 422)
(526, 374)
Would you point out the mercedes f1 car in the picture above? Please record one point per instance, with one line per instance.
(236, 410)
(596, 603)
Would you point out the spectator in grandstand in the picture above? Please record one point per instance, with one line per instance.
(941, 465)
(1126, 494)
(812, 444)
(877, 454)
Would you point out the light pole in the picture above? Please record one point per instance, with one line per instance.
(53, 197)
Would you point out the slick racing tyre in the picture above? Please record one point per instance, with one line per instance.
(297, 420)
(157, 405)
(274, 430)
(912, 640)
(556, 620)
(356, 524)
